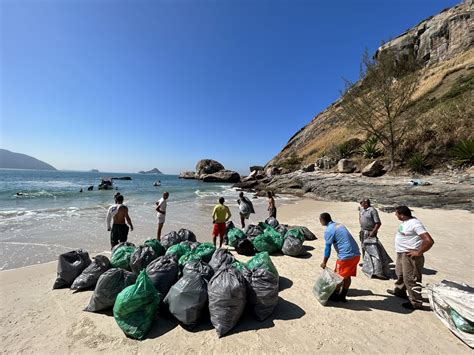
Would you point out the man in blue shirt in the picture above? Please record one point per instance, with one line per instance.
(348, 254)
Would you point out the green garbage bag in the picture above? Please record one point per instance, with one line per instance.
(205, 251)
(156, 245)
(238, 265)
(121, 257)
(325, 285)
(136, 306)
(188, 257)
(179, 249)
(234, 235)
(262, 261)
(295, 232)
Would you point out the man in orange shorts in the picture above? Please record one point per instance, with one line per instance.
(348, 254)
(220, 215)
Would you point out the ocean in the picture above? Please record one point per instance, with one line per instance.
(50, 216)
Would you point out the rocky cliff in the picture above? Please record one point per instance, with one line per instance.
(444, 43)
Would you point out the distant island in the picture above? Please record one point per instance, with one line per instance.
(152, 171)
(94, 171)
(11, 160)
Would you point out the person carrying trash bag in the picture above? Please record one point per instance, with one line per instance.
(348, 254)
(135, 307)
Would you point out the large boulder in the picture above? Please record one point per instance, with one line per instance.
(308, 168)
(208, 166)
(221, 176)
(256, 168)
(325, 162)
(272, 171)
(346, 166)
(187, 175)
(249, 184)
(374, 169)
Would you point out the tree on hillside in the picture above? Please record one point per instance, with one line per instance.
(377, 103)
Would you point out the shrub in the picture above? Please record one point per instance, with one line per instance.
(418, 163)
(369, 149)
(293, 162)
(463, 152)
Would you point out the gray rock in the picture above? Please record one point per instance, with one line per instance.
(346, 166)
(256, 168)
(208, 166)
(272, 171)
(221, 176)
(374, 169)
(308, 168)
(187, 175)
(246, 184)
(325, 163)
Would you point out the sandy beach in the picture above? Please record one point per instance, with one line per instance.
(36, 319)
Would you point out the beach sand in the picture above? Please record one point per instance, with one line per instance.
(36, 319)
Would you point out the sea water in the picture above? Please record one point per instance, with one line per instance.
(50, 215)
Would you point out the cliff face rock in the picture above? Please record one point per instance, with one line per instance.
(11, 160)
(443, 42)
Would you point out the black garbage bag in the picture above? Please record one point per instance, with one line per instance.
(272, 221)
(308, 235)
(91, 274)
(376, 259)
(191, 245)
(253, 231)
(282, 229)
(110, 284)
(142, 256)
(170, 239)
(163, 273)
(198, 267)
(263, 293)
(70, 266)
(227, 294)
(128, 244)
(220, 259)
(187, 235)
(228, 226)
(187, 298)
(293, 246)
(245, 247)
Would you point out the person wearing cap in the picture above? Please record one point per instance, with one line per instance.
(411, 242)
(369, 222)
(220, 215)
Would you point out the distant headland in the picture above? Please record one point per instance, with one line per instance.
(11, 160)
(152, 171)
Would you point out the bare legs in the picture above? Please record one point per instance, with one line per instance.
(158, 234)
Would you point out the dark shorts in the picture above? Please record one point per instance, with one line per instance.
(218, 230)
(272, 212)
(118, 234)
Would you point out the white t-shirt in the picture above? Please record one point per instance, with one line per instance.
(408, 235)
(161, 205)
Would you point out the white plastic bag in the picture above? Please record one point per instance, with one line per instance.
(325, 285)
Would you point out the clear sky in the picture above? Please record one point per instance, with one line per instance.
(132, 85)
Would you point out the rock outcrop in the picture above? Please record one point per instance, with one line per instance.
(187, 175)
(208, 166)
(152, 171)
(221, 176)
(209, 170)
(346, 166)
(374, 169)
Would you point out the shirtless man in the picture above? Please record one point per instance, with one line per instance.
(118, 212)
(272, 210)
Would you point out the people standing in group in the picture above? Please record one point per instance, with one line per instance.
(245, 208)
(411, 242)
(272, 211)
(220, 215)
(161, 213)
(348, 254)
(369, 222)
(118, 214)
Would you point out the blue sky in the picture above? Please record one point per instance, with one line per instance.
(132, 85)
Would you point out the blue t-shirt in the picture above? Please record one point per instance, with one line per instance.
(345, 245)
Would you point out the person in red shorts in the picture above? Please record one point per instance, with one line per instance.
(348, 254)
(220, 215)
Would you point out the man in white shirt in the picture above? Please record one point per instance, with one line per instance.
(411, 242)
(161, 212)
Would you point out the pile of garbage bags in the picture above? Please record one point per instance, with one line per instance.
(186, 280)
(269, 236)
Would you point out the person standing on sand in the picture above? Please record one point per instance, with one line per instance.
(245, 208)
(348, 254)
(118, 213)
(161, 213)
(411, 242)
(369, 222)
(220, 215)
(272, 210)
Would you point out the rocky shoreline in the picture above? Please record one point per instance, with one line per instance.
(444, 191)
